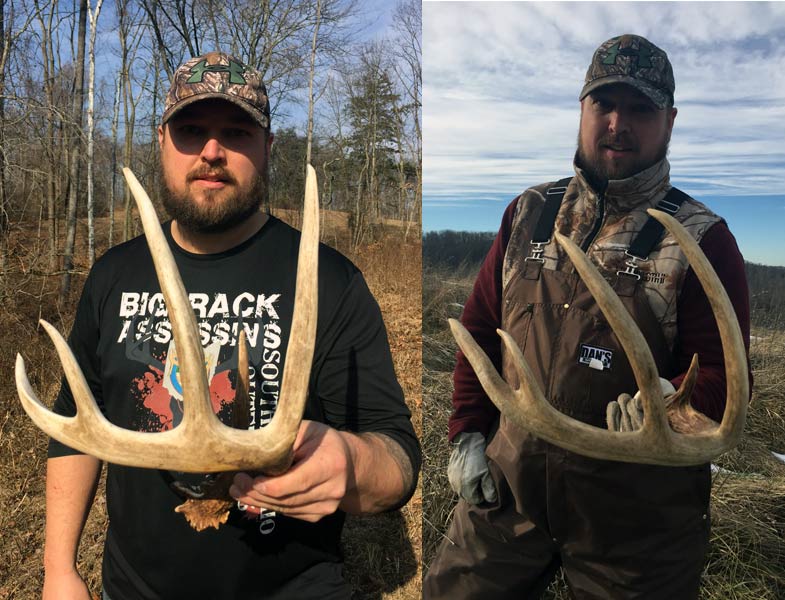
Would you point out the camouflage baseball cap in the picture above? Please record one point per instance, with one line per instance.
(633, 60)
(218, 75)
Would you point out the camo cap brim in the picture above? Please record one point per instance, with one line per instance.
(218, 76)
(635, 61)
(658, 97)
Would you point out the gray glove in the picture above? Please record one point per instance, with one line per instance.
(468, 469)
(626, 413)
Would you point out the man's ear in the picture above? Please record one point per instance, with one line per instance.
(160, 137)
(671, 120)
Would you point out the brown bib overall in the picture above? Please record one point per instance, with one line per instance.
(620, 530)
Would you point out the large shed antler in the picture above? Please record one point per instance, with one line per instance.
(656, 442)
(200, 443)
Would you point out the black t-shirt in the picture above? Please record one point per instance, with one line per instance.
(122, 337)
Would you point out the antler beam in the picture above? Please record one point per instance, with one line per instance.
(655, 442)
(200, 443)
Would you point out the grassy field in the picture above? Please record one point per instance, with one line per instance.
(747, 556)
(383, 553)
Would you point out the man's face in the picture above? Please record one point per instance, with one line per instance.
(214, 166)
(622, 132)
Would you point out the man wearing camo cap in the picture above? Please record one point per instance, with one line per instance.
(356, 450)
(527, 508)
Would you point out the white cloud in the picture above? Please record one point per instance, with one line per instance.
(502, 80)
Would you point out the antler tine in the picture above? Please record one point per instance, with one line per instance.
(635, 346)
(529, 410)
(197, 409)
(89, 431)
(497, 389)
(737, 382)
(89, 415)
(299, 352)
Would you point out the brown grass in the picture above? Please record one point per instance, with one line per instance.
(747, 555)
(383, 553)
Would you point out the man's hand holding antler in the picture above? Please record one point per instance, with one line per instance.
(332, 470)
(626, 413)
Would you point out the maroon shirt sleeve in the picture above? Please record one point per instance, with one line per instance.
(697, 327)
(698, 333)
(482, 316)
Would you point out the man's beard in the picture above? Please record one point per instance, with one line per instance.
(223, 209)
(601, 171)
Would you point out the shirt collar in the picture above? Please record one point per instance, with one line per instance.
(644, 186)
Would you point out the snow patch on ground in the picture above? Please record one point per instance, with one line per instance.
(715, 470)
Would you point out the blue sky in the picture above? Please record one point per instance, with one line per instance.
(500, 98)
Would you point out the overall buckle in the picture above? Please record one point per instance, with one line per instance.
(631, 266)
(537, 250)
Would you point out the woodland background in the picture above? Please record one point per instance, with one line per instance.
(82, 85)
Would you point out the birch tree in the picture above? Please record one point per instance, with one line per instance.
(93, 15)
(408, 68)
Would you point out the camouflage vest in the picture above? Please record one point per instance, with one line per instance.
(622, 212)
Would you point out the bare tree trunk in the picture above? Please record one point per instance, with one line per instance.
(401, 209)
(91, 131)
(115, 119)
(51, 123)
(309, 136)
(4, 48)
(374, 184)
(153, 151)
(128, 147)
(360, 214)
(129, 109)
(73, 157)
(151, 9)
(408, 24)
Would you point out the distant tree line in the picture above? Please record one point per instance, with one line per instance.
(467, 249)
(454, 249)
(767, 294)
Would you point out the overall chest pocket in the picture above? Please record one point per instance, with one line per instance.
(571, 350)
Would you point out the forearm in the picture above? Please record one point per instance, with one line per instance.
(71, 482)
(381, 475)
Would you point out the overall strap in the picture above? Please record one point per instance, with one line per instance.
(651, 232)
(553, 198)
(646, 240)
(544, 228)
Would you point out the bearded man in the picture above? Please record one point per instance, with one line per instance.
(619, 530)
(355, 451)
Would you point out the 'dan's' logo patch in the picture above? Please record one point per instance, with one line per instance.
(595, 357)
